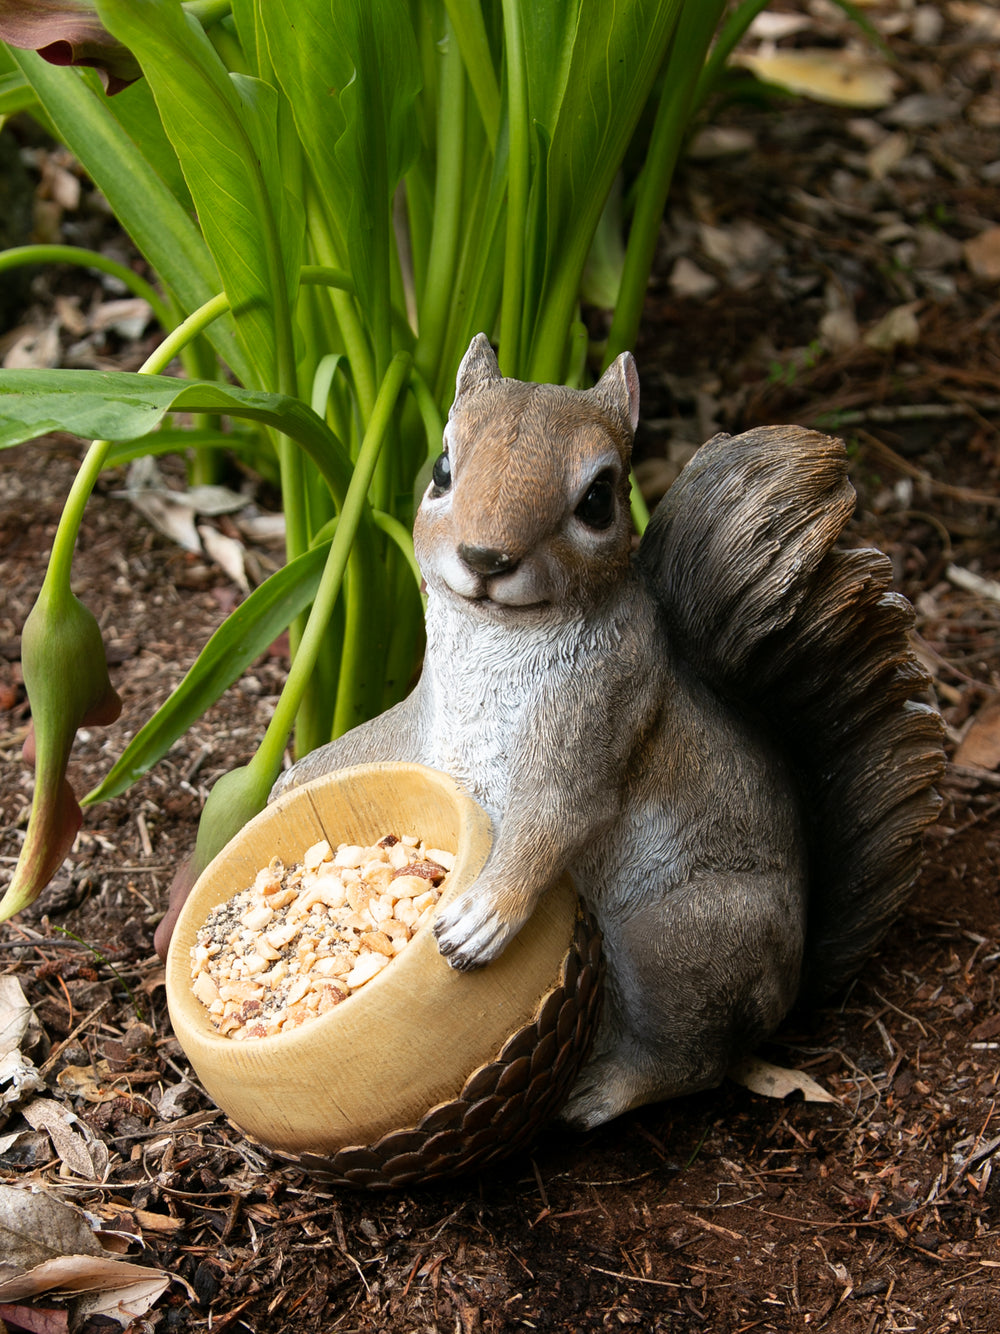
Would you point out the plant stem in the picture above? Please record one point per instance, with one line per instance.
(518, 182)
(63, 543)
(448, 181)
(91, 259)
(470, 31)
(691, 39)
(279, 728)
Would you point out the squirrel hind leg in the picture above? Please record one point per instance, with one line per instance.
(695, 980)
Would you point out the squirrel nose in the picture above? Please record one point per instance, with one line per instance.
(486, 560)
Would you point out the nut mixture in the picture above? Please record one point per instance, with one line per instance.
(302, 938)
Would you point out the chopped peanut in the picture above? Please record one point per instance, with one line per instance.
(302, 938)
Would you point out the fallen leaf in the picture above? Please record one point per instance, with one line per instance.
(838, 329)
(35, 348)
(172, 1103)
(15, 1014)
(716, 141)
(982, 18)
(687, 280)
(33, 1320)
(899, 326)
(34, 1228)
(920, 110)
(887, 155)
(227, 552)
(70, 1145)
(19, 1081)
(772, 27)
(87, 1273)
(981, 744)
(773, 1081)
(742, 247)
(839, 77)
(48, 1246)
(94, 1082)
(154, 1222)
(982, 254)
(125, 316)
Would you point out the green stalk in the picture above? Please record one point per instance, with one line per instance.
(470, 31)
(691, 40)
(196, 363)
(448, 182)
(271, 749)
(208, 12)
(732, 30)
(356, 345)
(325, 275)
(430, 414)
(91, 259)
(359, 688)
(518, 184)
(64, 542)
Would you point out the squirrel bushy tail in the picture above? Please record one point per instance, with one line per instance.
(741, 553)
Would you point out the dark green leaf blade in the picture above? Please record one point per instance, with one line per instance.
(222, 128)
(119, 405)
(247, 633)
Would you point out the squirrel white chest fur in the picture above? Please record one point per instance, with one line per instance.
(488, 685)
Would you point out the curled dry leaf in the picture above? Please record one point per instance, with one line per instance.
(982, 254)
(71, 1146)
(899, 327)
(48, 1246)
(980, 747)
(773, 1081)
(843, 78)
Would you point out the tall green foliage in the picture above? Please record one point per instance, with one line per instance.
(335, 196)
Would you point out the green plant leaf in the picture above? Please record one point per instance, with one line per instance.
(117, 405)
(351, 73)
(589, 77)
(16, 94)
(222, 127)
(135, 110)
(243, 636)
(144, 205)
(173, 440)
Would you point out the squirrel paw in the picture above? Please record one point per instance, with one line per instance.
(470, 932)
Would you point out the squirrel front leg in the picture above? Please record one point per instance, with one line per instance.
(539, 834)
(564, 788)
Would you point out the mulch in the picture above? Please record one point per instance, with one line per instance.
(725, 1212)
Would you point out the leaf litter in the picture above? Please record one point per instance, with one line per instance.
(728, 1211)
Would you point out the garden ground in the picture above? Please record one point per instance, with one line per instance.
(838, 268)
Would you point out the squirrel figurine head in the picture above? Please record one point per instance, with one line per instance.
(512, 526)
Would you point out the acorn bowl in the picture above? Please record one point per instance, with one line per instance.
(424, 1072)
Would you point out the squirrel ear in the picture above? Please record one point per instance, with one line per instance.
(479, 365)
(618, 390)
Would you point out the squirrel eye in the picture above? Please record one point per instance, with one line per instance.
(597, 508)
(441, 476)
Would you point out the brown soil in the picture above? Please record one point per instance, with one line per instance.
(725, 1212)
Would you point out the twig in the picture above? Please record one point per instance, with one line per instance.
(634, 1278)
(905, 412)
(60, 1047)
(912, 1017)
(973, 583)
(962, 493)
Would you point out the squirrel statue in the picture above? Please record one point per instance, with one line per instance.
(717, 737)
